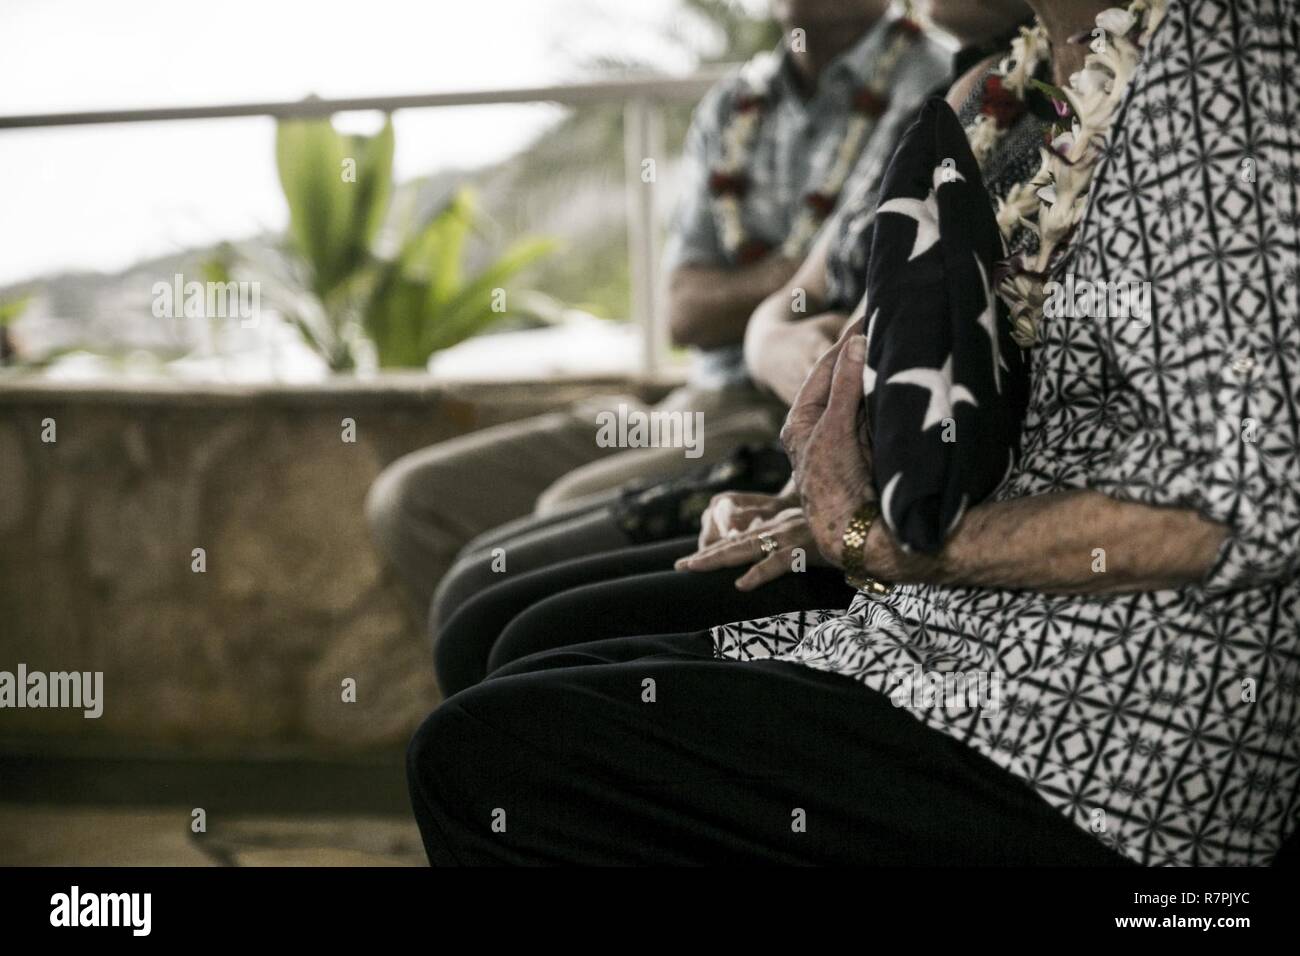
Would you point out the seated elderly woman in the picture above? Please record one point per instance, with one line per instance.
(1132, 584)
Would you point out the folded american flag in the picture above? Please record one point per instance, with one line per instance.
(946, 387)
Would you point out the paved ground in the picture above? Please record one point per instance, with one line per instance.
(140, 813)
(89, 836)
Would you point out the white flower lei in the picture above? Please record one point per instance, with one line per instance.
(1052, 202)
(741, 133)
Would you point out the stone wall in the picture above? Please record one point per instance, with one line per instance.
(97, 532)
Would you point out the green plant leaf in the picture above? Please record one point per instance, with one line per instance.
(470, 310)
(310, 159)
(338, 189)
(9, 311)
(454, 226)
(409, 306)
(374, 185)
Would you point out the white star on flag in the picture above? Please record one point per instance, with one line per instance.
(988, 321)
(944, 393)
(887, 500)
(925, 212)
(961, 512)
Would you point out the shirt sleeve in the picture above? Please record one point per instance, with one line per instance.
(693, 232)
(1207, 407)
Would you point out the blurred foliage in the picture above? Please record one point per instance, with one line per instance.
(337, 187)
(422, 301)
(335, 286)
(11, 310)
(356, 278)
(743, 34)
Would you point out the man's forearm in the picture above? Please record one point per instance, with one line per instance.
(782, 361)
(1074, 542)
(709, 308)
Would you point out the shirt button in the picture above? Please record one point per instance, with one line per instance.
(1243, 364)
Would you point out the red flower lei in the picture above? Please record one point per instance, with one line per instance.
(1003, 106)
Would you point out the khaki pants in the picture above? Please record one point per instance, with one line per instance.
(426, 506)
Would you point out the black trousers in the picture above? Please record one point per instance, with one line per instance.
(616, 594)
(650, 751)
(528, 544)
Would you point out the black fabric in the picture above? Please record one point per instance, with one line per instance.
(655, 509)
(1016, 161)
(561, 758)
(533, 545)
(661, 602)
(625, 592)
(946, 386)
(466, 622)
(528, 524)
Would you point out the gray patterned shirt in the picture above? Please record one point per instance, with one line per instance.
(794, 145)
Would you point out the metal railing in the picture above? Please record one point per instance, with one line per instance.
(643, 137)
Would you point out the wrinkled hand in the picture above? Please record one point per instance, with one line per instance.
(832, 466)
(790, 530)
(733, 512)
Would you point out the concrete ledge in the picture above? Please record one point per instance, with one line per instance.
(389, 389)
(97, 531)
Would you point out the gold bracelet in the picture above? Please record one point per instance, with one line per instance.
(855, 545)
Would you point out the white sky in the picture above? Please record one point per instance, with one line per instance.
(101, 197)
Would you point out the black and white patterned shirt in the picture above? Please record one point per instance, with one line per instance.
(1164, 722)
